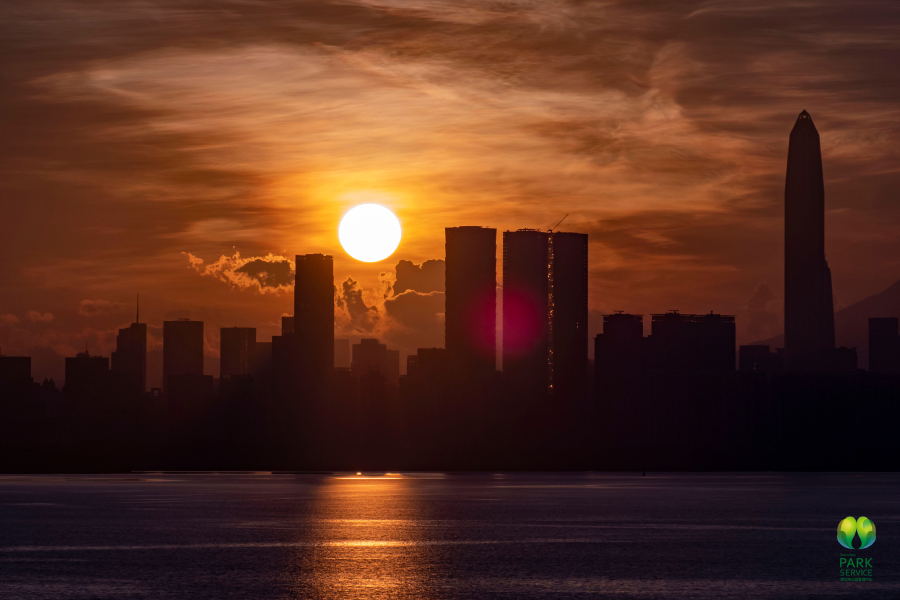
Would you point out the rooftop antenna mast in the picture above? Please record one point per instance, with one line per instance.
(137, 317)
(552, 227)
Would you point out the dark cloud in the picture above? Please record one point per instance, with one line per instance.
(417, 320)
(424, 278)
(353, 314)
(264, 274)
(269, 274)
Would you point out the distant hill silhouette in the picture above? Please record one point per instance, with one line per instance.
(851, 324)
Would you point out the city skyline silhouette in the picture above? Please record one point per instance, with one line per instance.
(677, 180)
(432, 299)
(683, 397)
(806, 273)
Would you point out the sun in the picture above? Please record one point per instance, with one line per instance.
(369, 232)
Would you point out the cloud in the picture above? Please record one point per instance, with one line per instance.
(38, 317)
(427, 277)
(660, 126)
(93, 308)
(8, 319)
(407, 320)
(416, 319)
(273, 274)
(265, 274)
(353, 315)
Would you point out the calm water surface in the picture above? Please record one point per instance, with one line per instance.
(442, 536)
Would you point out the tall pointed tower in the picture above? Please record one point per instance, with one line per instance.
(808, 304)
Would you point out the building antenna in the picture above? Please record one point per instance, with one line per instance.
(137, 317)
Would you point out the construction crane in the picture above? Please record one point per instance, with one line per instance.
(552, 227)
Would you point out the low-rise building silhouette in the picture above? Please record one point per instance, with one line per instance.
(426, 363)
(619, 354)
(369, 355)
(684, 342)
(237, 348)
(759, 358)
(86, 375)
(262, 361)
(884, 345)
(342, 357)
(15, 370)
(182, 349)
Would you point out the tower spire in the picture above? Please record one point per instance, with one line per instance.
(808, 299)
(137, 317)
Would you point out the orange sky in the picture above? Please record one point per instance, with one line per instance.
(141, 139)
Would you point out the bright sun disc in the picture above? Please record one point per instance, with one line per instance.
(369, 232)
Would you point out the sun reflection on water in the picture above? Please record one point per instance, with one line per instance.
(366, 537)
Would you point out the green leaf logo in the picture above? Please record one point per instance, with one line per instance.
(846, 531)
(866, 530)
(849, 528)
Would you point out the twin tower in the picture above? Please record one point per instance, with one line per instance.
(545, 307)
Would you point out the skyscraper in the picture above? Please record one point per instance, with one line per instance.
(237, 347)
(182, 349)
(526, 310)
(314, 314)
(808, 304)
(470, 321)
(130, 356)
(545, 307)
(569, 306)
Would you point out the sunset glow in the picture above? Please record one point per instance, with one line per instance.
(208, 166)
(590, 289)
